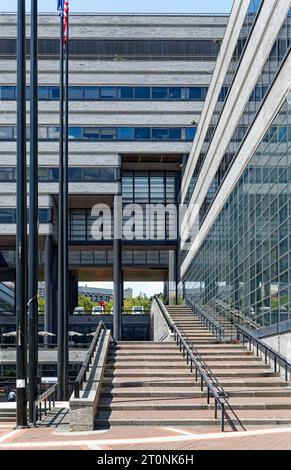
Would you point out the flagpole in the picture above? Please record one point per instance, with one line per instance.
(21, 225)
(33, 215)
(60, 336)
(66, 220)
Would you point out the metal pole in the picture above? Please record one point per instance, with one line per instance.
(66, 222)
(21, 225)
(61, 396)
(117, 266)
(33, 215)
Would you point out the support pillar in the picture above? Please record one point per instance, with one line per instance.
(49, 290)
(177, 274)
(73, 291)
(117, 266)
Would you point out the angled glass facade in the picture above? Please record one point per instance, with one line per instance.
(250, 18)
(245, 260)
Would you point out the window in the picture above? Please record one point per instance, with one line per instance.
(108, 134)
(6, 132)
(91, 93)
(142, 133)
(7, 216)
(7, 174)
(159, 93)
(108, 93)
(75, 175)
(92, 133)
(142, 93)
(175, 133)
(175, 93)
(43, 93)
(195, 93)
(54, 93)
(190, 133)
(7, 92)
(53, 133)
(125, 133)
(75, 133)
(160, 134)
(75, 93)
(126, 93)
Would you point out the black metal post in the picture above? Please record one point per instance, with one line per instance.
(21, 225)
(117, 266)
(61, 395)
(66, 222)
(33, 214)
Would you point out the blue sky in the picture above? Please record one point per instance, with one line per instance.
(148, 6)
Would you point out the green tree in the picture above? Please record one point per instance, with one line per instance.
(86, 303)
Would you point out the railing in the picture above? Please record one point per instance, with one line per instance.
(232, 315)
(89, 356)
(48, 398)
(247, 338)
(269, 353)
(206, 319)
(194, 360)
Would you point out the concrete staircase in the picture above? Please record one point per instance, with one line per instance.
(148, 383)
(7, 413)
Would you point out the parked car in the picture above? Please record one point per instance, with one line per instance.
(79, 311)
(137, 309)
(97, 310)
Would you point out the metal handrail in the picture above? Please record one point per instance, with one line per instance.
(206, 319)
(48, 396)
(217, 393)
(82, 373)
(233, 313)
(248, 338)
(269, 353)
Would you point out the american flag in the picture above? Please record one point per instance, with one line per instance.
(63, 8)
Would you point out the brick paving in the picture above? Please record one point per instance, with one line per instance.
(143, 438)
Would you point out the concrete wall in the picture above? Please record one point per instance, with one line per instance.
(159, 328)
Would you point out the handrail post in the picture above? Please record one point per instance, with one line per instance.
(222, 417)
(215, 408)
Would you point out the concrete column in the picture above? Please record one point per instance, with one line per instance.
(54, 316)
(177, 274)
(73, 291)
(117, 267)
(48, 279)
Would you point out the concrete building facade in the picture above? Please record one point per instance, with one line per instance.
(137, 89)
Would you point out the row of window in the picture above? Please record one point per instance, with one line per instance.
(8, 216)
(108, 133)
(150, 187)
(122, 49)
(51, 175)
(107, 93)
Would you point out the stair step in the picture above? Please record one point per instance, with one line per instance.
(101, 423)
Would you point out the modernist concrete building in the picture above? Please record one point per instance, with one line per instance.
(238, 175)
(137, 89)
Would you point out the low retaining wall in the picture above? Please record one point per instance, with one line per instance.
(83, 410)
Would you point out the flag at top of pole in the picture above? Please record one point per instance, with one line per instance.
(63, 8)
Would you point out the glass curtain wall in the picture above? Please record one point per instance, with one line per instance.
(245, 260)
